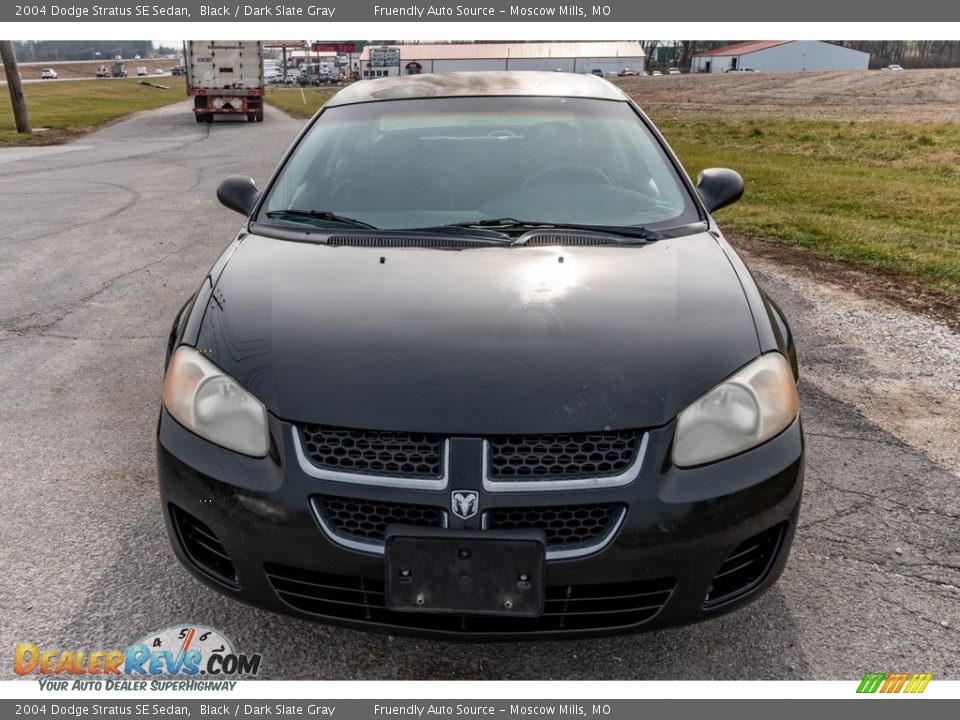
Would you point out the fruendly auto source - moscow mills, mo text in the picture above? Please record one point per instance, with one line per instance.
(514, 11)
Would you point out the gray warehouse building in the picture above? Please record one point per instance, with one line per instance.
(780, 56)
(577, 57)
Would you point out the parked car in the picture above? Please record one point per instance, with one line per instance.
(585, 420)
(178, 70)
(597, 71)
(739, 70)
(103, 71)
(141, 71)
(894, 67)
(656, 73)
(674, 71)
(48, 74)
(158, 71)
(627, 72)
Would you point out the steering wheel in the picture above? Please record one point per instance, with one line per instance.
(571, 171)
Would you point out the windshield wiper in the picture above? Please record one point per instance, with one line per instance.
(505, 224)
(637, 232)
(629, 233)
(297, 214)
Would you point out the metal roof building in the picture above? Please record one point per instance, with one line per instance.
(780, 56)
(577, 57)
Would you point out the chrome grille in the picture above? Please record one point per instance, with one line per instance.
(561, 456)
(373, 452)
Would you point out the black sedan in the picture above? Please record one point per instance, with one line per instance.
(480, 364)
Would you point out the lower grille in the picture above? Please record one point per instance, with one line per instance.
(746, 567)
(568, 607)
(567, 525)
(202, 546)
(368, 519)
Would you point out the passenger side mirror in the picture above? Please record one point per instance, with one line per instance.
(719, 187)
(238, 193)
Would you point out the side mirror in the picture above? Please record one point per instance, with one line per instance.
(719, 187)
(238, 193)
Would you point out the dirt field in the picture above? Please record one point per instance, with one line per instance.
(910, 95)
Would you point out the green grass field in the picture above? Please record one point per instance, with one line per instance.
(299, 102)
(883, 195)
(68, 109)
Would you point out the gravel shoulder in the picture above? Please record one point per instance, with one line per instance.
(900, 368)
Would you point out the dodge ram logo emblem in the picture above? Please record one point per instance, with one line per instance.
(464, 503)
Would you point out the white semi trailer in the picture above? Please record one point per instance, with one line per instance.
(225, 77)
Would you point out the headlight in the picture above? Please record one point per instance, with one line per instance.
(213, 405)
(749, 408)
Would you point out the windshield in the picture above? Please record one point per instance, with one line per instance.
(427, 162)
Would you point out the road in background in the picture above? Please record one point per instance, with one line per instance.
(103, 240)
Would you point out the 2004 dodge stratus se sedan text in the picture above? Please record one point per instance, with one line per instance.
(480, 364)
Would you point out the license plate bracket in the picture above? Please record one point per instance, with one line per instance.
(483, 572)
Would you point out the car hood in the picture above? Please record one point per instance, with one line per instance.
(479, 340)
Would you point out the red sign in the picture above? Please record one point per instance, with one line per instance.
(334, 47)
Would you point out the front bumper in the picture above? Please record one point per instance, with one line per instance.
(682, 530)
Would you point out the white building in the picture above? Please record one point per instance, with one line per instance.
(577, 57)
(780, 56)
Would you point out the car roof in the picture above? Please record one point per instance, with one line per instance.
(493, 83)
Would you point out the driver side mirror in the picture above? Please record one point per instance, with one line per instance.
(719, 187)
(238, 193)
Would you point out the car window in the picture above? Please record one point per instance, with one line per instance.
(416, 163)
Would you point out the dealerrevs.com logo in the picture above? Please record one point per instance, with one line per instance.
(909, 683)
(185, 651)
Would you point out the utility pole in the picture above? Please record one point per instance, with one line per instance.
(19, 102)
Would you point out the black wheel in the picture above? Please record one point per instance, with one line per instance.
(251, 117)
(259, 117)
(200, 117)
